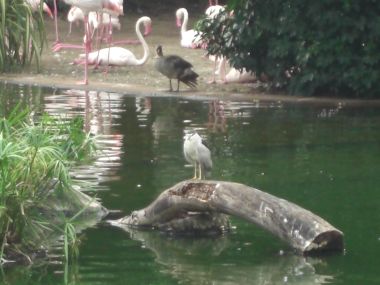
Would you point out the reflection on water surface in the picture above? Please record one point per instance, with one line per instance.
(324, 158)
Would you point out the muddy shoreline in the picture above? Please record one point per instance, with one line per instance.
(58, 72)
(140, 90)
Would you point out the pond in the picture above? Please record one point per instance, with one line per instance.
(324, 158)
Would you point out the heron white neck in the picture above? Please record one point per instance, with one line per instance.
(142, 40)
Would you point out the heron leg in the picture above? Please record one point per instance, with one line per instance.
(200, 171)
(195, 171)
(170, 84)
(177, 85)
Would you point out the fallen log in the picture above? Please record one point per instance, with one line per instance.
(209, 201)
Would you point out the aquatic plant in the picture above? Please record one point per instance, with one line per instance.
(22, 34)
(35, 158)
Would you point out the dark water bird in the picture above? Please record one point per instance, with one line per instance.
(197, 154)
(175, 67)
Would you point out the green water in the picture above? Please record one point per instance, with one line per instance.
(324, 158)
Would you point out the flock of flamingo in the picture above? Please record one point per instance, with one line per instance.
(101, 16)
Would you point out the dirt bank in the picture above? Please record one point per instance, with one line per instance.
(57, 70)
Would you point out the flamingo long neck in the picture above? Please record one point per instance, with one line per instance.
(143, 42)
(185, 20)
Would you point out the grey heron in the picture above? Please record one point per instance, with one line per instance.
(197, 154)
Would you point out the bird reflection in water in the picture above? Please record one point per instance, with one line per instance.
(184, 258)
(98, 110)
(216, 117)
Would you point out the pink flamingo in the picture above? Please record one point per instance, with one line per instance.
(189, 38)
(56, 22)
(117, 56)
(97, 21)
(211, 4)
(211, 13)
(80, 4)
(35, 4)
(75, 15)
(236, 76)
(103, 23)
(87, 6)
(213, 10)
(233, 75)
(218, 69)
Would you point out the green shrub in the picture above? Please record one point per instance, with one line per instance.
(304, 47)
(35, 158)
(22, 34)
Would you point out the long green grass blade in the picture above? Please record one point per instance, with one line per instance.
(22, 35)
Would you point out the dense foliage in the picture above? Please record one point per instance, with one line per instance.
(35, 158)
(303, 46)
(22, 34)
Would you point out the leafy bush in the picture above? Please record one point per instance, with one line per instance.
(304, 47)
(34, 162)
(22, 34)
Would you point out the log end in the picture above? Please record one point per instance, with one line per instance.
(328, 241)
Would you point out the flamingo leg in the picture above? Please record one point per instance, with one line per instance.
(99, 35)
(109, 38)
(104, 33)
(56, 21)
(70, 28)
(222, 69)
(96, 38)
(59, 46)
(213, 71)
(219, 69)
(87, 47)
(99, 30)
(109, 31)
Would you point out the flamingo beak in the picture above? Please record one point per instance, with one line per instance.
(148, 30)
(178, 22)
(47, 10)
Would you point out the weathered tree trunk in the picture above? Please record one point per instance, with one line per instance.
(302, 229)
